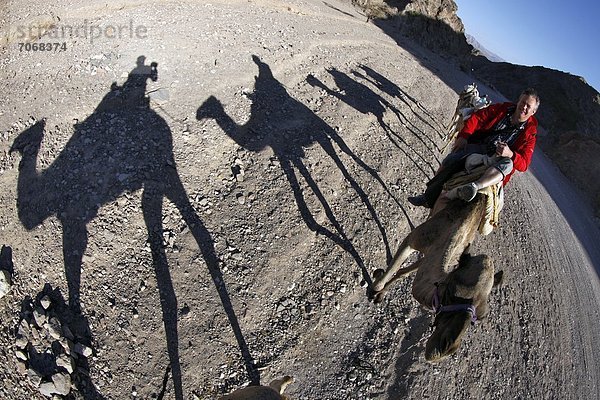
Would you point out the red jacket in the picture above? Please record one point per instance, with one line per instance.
(484, 120)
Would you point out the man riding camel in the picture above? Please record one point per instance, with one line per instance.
(501, 136)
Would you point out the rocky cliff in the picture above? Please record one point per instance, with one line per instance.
(432, 24)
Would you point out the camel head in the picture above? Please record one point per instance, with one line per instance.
(469, 284)
(30, 138)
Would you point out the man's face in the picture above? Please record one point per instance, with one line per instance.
(526, 107)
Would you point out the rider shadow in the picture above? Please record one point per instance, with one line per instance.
(365, 100)
(287, 126)
(416, 108)
(123, 146)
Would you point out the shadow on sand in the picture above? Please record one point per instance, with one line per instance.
(122, 146)
(287, 126)
(365, 100)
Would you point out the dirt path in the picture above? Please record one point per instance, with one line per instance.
(220, 232)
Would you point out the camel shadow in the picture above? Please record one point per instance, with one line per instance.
(123, 146)
(417, 109)
(365, 100)
(287, 126)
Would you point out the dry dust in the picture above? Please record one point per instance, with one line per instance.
(212, 220)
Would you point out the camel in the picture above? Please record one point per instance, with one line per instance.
(449, 280)
(272, 392)
(469, 101)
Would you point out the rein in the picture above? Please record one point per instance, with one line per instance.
(438, 308)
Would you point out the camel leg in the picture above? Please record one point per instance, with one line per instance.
(401, 255)
(178, 196)
(401, 273)
(152, 200)
(28, 185)
(75, 239)
(451, 132)
(452, 121)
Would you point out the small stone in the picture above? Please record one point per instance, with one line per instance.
(240, 198)
(352, 376)
(82, 349)
(39, 316)
(5, 283)
(21, 342)
(66, 344)
(34, 377)
(24, 329)
(20, 355)
(45, 302)
(47, 389)
(62, 383)
(54, 328)
(21, 367)
(66, 362)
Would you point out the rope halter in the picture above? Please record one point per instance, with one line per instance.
(439, 308)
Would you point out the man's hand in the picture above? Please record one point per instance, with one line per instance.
(459, 144)
(502, 150)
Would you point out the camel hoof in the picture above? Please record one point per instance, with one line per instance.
(378, 297)
(378, 284)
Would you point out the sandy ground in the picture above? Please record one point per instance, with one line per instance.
(211, 221)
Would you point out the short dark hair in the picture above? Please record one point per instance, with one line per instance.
(533, 93)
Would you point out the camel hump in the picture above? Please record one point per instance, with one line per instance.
(272, 392)
(279, 385)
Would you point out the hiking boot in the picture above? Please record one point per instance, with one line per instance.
(467, 192)
(418, 201)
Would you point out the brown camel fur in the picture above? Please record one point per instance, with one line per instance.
(272, 392)
(468, 102)
(446, 267)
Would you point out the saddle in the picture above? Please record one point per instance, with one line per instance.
(494, 195)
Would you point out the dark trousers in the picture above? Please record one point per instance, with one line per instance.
(436, 184)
